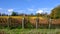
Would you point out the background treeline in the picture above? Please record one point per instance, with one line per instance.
(22, 14)
(55, 13)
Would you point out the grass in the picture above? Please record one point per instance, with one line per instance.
(31, 31)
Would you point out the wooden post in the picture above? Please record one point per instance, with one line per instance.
(49, 23)
(8, 21)
(23, 21)
(37, 21)
(36, 24)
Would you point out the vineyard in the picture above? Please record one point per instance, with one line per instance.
(29, 22)
(15, 25)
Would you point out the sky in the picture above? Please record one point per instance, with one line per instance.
(28, 6)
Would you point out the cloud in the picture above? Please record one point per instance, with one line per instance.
(30, 9)
(0, 8)
(21, 11)
(39, 11)
(10, 10)
(44, 10)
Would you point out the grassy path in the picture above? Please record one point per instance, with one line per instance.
(30, 31)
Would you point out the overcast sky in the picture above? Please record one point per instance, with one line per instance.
(27, 6)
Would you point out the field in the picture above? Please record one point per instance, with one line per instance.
(30, 31)
(17, 20)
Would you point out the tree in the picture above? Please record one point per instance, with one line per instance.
(38, 14)
(55, 13)
(3, 14)
(0, 14)
(14, 14)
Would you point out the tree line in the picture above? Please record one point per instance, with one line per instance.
(55, 13)
(16, 14)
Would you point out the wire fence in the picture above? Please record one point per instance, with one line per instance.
(28, 22)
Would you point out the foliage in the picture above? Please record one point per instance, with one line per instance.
(27, 23)
(55, 12)
(14, 14)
